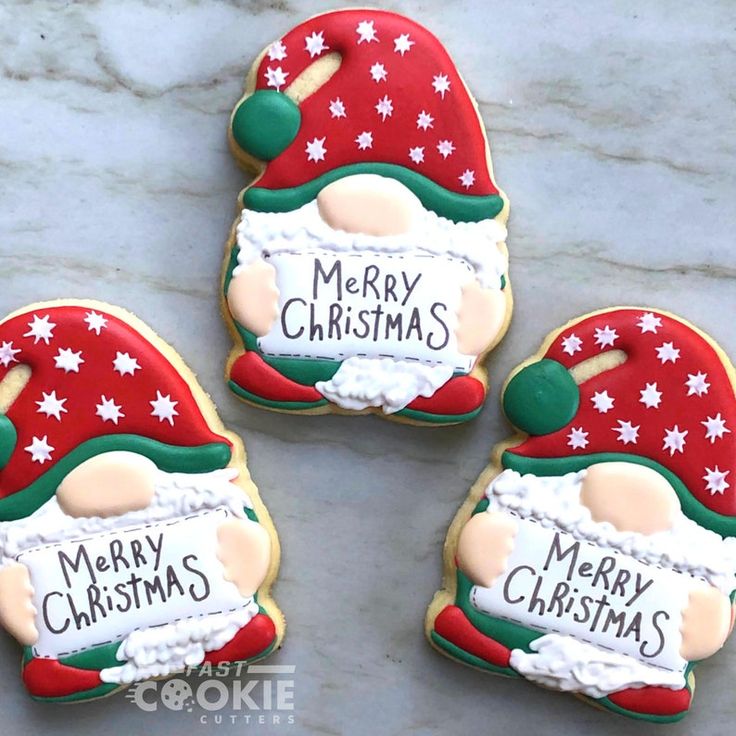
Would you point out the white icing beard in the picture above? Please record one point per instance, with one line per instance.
(477, 243)
(566, 658)
(391, 384)
(385, 373)
(157, 650)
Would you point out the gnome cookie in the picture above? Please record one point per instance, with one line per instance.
(367, 270)
(133, 543)
(596, 554)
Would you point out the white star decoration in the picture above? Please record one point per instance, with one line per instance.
(366, 32)
(402, 44)
(424, 120)
(40, 450)
(667, 352)
(696, 384)
(602, 401)
(674, 440)
(417, 154)
(605, 337)
(108, 410)
(715, 480)
(571, 344)
(337, 108)
(8, 353)
(51, 405)
(68, 360)
(627, 433)
(445, 148)
(315, 149)
(441, 84)
(578, 439)
(40, 329)
(276, 77)
(715, 428)
(378, 72)
(315, 44)
(467, 178)
(649, 323)
(385, 107)
(364, 140)
(650, 396)
(125, 365)
(163, 408)
(277, 52)
(95, 322)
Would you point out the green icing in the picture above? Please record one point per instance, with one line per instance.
(303, 370)
(8, 438)
(423, 416)
(266, 123)
(251, 514)
(285, 405)
(98, 658)
(169, 458)
(460, 654)
(454, 206)
(97, 692)
(482, 506)
(541, 398)
(691, 507)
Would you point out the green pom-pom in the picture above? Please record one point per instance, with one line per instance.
(265, 123)
(8, 438)
(541, 398)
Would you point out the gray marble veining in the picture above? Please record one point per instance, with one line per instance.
(612, 130)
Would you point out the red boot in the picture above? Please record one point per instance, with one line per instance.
(49, 678)
(461, 395)
(250, 642)
(454, 626)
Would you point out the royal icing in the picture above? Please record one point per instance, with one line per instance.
(601, 559)
(127, 542)
(375, 245)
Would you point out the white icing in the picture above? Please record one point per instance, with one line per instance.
(477, 243)
(555, 501)
(564, 663)
(391, 384)
(176, 495)
(162, 650)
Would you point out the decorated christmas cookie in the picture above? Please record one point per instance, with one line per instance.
(133, 543)
(367, 271)
(596, 554)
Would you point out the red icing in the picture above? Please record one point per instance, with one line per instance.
(654, 701)
(409, 87)
(460, 395)
(452, 624)
(253, 374)
(49, 678)
(82, 390)
(253, 639)
(676, 409)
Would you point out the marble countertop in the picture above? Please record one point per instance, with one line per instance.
(612, 133)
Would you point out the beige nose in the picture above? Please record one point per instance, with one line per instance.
(368, 204)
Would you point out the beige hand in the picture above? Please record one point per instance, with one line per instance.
(109, 484)
(632, 497)
(484, 546)
(244, 548)
(706, 622)
(253, 297)
(479, 318)
(17, 613)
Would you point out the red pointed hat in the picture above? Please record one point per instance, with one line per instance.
(396, 106)
(96, 385)
(670, 404)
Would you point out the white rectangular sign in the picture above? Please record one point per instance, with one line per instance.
(333, 306)
(96, 590)
(555, 583)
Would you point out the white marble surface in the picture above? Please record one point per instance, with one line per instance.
(612, 132)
